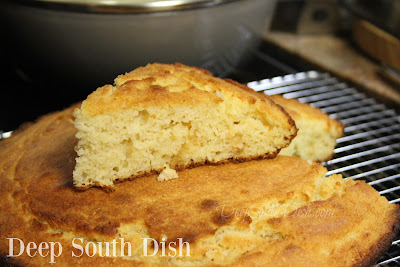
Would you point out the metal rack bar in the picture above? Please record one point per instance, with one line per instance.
(370, 147)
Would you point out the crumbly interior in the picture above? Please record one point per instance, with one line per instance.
(167, 174)
(130, 142)
(312, 142)
(317, 132)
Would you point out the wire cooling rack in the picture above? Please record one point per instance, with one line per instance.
(370, 147)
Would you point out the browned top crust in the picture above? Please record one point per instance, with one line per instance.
(166, 88)
(168, 84)
(39, 203)
(355, 213)
(302, 111)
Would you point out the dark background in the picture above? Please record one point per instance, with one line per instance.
(24, 99)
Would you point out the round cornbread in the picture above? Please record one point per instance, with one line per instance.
(274, 212)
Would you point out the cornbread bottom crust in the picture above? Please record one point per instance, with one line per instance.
(278, 212)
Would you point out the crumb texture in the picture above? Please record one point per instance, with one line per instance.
(173, 115)
(272, 212)
(167, 174)
(317, 133)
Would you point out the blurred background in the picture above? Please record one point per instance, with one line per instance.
(56, 52)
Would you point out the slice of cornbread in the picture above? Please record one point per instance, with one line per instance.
(273, 212)
(317, 134)
(173, 116)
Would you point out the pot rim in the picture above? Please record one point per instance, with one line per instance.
(122, 6)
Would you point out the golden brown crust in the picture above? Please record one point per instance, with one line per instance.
(164, 87)
(303, 111)
(376, 250)
(268, 98)
(318, 132)
(142, 93)
(39, 203)
(307, 238)
(188, 166)
(55, 196)
(160, 84)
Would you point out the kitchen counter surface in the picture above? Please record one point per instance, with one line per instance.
(340, 57)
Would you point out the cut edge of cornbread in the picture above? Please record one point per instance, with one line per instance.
(173, 115)
(317, 132)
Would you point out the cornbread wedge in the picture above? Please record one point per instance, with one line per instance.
(173, 116)
(273, 212)
(317, 133)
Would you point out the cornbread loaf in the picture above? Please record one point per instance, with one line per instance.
(317, 133)
(173, 116)
(273, 212)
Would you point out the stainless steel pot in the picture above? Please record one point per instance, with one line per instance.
(89, 42)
